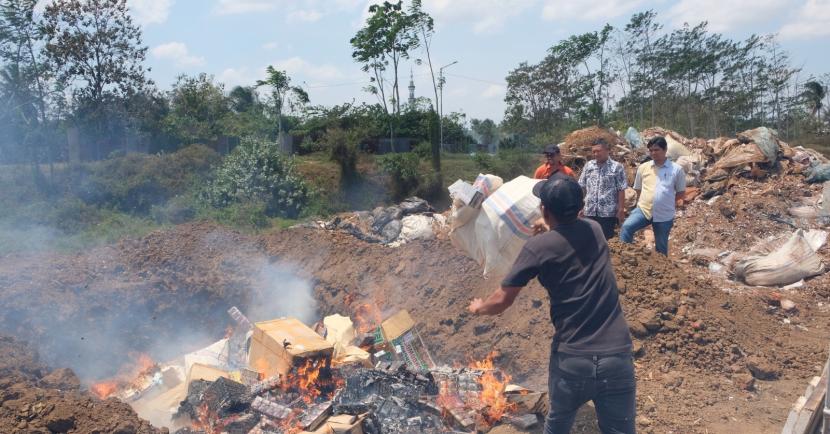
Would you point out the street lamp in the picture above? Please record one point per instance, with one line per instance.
(441, 102)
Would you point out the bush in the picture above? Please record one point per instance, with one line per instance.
(308, 146)
(343, 150)
(135, 183)
(423, 150)
(177, 210)
(484, 162)
(402, 170)
(255, 172)
(508, 163)
(514, 162)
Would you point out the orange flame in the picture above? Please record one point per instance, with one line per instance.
(493, 384)
(104, 389)
(367, 317)
(131, 374)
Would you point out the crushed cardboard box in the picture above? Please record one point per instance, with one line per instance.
(278, 345)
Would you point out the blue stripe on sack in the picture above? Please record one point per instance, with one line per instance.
(511, 215)
(484, 183)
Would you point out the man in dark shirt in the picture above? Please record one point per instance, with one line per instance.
(591, 349)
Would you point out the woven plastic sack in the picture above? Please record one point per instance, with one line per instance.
(794, 260)
(498, 233)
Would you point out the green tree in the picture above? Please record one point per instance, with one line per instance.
(282, 94)
(425, 28)
(387, 38)
(24, 82)
(486, 130)
(94, 46)
(814, 94)
(198, 108)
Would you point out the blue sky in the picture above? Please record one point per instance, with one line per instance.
(234, 40)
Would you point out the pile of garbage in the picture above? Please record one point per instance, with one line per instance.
(412, 219)
(281, 376)
(492, 218)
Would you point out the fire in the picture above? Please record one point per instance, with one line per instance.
(261, 366)
(129, 374)
(367, 317)
(492, 384)
(306, 380)
(104, 389)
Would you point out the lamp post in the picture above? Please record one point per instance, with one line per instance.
(441, 102)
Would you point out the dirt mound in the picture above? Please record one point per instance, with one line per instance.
(33, 400)
(577, 145)
(698, 345)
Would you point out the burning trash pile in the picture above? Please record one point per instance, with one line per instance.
(281, 376)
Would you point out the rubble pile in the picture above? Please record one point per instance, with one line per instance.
(576, 148)
(295, 380)
(412, 219)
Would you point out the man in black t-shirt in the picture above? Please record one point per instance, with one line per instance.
(591, 350)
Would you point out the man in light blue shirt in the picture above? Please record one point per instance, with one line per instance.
(660, 186)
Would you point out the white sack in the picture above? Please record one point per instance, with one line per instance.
(796, 259)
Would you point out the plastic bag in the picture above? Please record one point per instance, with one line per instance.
(818, 173)
(767, 141)
(794, 260)
(676, 149)
(633, 137)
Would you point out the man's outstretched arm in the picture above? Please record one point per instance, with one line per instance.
(496, 303)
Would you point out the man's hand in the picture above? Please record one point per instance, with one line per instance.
(475, 306)
(539, 226)
(681, 203)
(620, 215)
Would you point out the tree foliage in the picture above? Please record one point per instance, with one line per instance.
(253, 172)
(690, 79)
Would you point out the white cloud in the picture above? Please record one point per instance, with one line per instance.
(494, 91)
(232, 7)
(232, 77)
(301, 68)
(271, 45)
(485, 15)
(589, 10)
(150, 11)
(306, 16)
(177, 52)
(726, 15)
(812, 21)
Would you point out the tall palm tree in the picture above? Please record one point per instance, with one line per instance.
(813, 95)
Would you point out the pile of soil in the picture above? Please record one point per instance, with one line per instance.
(34, 399)
(707, 359)
(577, 145)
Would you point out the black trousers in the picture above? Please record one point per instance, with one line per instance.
(608, 225)
(608, 381)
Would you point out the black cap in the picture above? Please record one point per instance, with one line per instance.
(560, 195)
(551, 149)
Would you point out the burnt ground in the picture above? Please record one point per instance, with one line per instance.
(36, 399)
(168, 292)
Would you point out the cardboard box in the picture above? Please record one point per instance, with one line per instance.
(397, 325)
(279, 345)
(200, 371)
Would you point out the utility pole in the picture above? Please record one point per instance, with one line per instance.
(441, 102)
